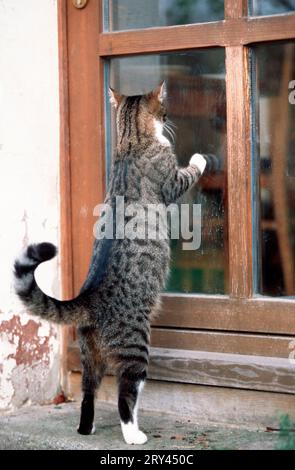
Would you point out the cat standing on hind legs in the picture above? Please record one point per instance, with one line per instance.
(126, 274)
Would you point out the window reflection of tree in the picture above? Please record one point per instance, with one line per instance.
(271, 7)
(197, 105)
(277, 143)
(183, 11)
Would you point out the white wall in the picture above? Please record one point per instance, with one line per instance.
(29, 195)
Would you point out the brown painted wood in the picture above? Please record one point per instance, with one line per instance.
(226, 370)
(235, 8)
(222, 342)
(65, 161)
(74, 358)
(239, 172)
(65, 187)
(86, 131)
(261, 314)
(230, 32)
(170, 38)
(211, 368)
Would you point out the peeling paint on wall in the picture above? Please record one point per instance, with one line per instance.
(29, 362)
(30, 347)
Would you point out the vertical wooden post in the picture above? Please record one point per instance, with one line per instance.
(82, 167)
(239, 162)
(235, 9)
(86, 118)
(66, 258)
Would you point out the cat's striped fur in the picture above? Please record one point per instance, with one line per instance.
(122, 289)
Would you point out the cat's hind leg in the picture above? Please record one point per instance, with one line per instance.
(91, 380)
(131, 382)
(92, 375)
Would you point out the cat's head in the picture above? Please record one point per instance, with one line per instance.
(140, 117)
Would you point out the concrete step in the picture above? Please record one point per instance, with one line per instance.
(54, 427)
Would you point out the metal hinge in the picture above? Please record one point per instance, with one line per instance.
(80, 3)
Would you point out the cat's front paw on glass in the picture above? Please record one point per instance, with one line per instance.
(199, 161)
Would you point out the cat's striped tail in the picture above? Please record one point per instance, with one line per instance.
(36, 302)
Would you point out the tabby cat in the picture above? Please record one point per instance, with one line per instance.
(126, 276)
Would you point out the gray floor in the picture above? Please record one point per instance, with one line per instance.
(54, 427)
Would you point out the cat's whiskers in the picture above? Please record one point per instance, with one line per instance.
(171, 123)
(170, 131)
(171, 136)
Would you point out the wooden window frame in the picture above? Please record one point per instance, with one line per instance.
(83, 49)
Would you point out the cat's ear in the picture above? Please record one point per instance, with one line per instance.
(115, 98)
(160, 92)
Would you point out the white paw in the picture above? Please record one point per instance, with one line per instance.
(199, 161)
(131, 433)
(137, 438)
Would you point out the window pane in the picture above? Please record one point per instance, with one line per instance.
(272, 7)
(135, 14)
(197, 106)
(276, 151)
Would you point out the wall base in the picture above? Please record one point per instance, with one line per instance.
(203, 404)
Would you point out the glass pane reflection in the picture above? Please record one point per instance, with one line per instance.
(197, 106)
(276, 138)
(272, 7)
(136, 14)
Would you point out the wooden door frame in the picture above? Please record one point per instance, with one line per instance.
(81, 147)
(83, 49)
